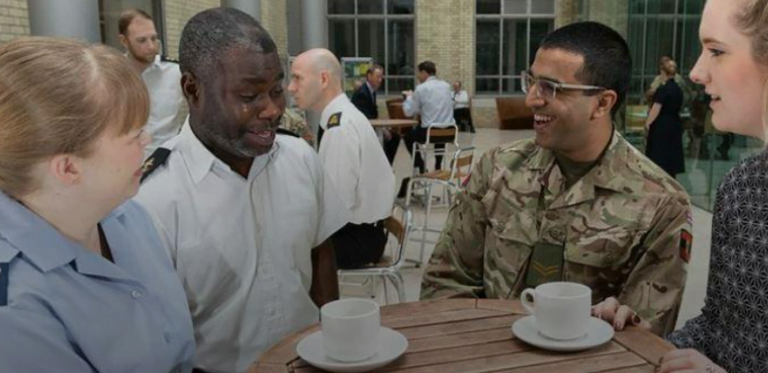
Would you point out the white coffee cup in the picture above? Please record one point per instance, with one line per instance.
(561, 309)
(350, 329)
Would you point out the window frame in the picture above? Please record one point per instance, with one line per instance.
(385, 17)
(528, 16)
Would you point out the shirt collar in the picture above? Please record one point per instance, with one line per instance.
(604, 174)
(37, 239)
(333, 107)
(200, 161)
(370, 88)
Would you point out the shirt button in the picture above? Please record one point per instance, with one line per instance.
(135, 294)
(557, 233)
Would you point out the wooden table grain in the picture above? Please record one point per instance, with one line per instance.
(474, 336)
(393, 123)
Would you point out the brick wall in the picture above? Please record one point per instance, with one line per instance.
(274, 18)
(566, 12)
(614, 13)
(445, 35)
(177, 13)
(14, 19)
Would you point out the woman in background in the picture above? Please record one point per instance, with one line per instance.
(665, 128)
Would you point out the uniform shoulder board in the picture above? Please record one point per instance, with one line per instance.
(334, 120)
(165, 58)
(283, 131)
(4, 276)
(158, 158)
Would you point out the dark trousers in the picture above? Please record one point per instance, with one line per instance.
(419, 134)
(391, 145)
(463, 119)
(357, 245)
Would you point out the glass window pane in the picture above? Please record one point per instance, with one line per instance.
(488, 6)
(667, 7)
(539, 30)
(487, 51)
(371, 39)
(395, 86)
(543, 6)
(370, 6)
(341, 37)
(660, 39)
(691, 46)
(487, 85)
(511, 86)
(514, 46)
(693, 6)
(341, 6)
(400, 6)
(401, 48)
(515, 6)
(637, 7)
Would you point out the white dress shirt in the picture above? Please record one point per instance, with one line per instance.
(460, 99)
(433, 99)
(167, 106)
(356, 163)
(242, 246)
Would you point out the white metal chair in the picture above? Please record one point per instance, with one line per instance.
(451, 181)
(437, 133)
(389, 267)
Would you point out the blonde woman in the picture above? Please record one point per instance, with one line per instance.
(85, 284)
(731, 334)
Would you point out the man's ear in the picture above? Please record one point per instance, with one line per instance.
(192, 89)
(67, 169)
(123, 40)
(605, 102)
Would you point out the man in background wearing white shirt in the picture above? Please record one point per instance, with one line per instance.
(352, 155)
(246, 213)
(433, 99)
(461, 112)
(162, 76)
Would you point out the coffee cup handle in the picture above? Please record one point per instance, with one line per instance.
(528, 305)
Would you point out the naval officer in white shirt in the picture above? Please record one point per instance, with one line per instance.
(352, 155)
(247, 213)
(167, 109)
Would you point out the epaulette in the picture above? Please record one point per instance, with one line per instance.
(158, 158)
(283, 131)
(165, 58)
(334, 120)
(4, 275)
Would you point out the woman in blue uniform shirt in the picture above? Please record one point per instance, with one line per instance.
(85, 283)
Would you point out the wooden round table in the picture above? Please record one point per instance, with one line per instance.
(473, 336)
(393, 123)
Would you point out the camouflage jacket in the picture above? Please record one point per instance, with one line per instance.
(294, 122)
(625, 227)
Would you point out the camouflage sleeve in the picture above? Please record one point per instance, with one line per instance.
(456, 266)
(654, 288)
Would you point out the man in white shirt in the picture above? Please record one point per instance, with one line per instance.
(461, 112)
(246, 213)
(162, 76)
(432, 99)
(352, 155)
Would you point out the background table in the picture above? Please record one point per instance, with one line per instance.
(393, 123)
(472, 336)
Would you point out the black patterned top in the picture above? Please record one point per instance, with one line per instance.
(733, 327)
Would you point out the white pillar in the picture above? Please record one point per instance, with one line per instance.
(252, 7)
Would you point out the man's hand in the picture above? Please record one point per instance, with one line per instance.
(408, 93)
(325, 282)
(689, 361)
(618, 315)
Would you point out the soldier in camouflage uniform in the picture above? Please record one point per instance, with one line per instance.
(294, 122)
(537, 210)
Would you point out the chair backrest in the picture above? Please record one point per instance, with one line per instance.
(462, 163)
(400, 229)
(442, 134)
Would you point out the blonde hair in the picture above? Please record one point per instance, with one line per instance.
(57, 97)
(753, 22)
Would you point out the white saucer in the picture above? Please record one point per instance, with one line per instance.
(599, 332)
(392, 344)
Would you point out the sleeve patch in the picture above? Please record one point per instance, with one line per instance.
(686, 241)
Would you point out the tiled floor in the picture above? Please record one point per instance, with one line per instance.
(486, 139)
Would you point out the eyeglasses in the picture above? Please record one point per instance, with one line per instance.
(548, 89)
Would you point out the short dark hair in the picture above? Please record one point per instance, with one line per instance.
(373, 68)
(607, 61)
(127, 16)
(211, 33)
(428, 67)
